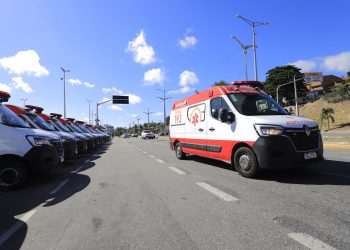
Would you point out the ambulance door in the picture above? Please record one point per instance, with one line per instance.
(220, 134)
(195, 141)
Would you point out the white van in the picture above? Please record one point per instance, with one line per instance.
(242, 125)
(23, 149)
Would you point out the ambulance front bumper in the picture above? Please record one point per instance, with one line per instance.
(279, 152)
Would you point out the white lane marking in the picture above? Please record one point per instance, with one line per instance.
(145, 152)
(337, 175)
(160, 161)
(176, 170)
(152, 156)
(77, 170)
(5, 236)
(59, 186)
(217, 192)
(310, 242)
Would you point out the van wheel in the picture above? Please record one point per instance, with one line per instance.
(246, 162)
(12, 174)
(179, 153)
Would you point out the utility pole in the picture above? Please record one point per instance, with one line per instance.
(164, 98)
(97, 105)
(24, 101)
(148, 113)
(64, 89)
(245, 51)
(253, 24)
(89, 101)
(296, 96)
(138, 124)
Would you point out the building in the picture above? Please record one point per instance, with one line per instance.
(318, 84)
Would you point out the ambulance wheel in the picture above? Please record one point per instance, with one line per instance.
(12, 174)
(246, 162)
(179, 153)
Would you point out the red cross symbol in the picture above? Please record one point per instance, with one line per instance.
(195, 119)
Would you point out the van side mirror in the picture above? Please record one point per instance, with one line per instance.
(223, 115)
(287, 111)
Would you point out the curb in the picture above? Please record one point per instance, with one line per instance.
(336, 146)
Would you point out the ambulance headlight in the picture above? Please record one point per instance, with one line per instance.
(268, 130)
(38, 140)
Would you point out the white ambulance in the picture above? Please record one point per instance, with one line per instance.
(23, 149)
(242, 125)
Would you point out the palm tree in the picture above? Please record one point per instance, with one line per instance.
(326, 114)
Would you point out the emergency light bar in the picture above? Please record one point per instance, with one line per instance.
(37, 109)
(79, 122)
(4, 96)
(70, 119)
(55, 115)
(253, 84)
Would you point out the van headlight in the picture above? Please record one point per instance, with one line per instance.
(268, 130)
(38, 140)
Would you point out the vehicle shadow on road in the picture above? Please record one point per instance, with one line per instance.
(326, 172)
(36, 193)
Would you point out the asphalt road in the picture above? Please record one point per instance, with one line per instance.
(135, 194)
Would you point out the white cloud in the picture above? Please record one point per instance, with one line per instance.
(158, 114)
(187, 42)
(339, 62)
(186, 79)
(133, 99)
(115, 107)
(104, 99)
(134, 115)
(305, 65)
(24, 62)
(154, 76)
(141, 51)
(18, 83)
(5, 87)
(77, 82)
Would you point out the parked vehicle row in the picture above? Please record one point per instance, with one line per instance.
(33, 142)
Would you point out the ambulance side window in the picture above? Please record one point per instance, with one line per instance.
(216, 104)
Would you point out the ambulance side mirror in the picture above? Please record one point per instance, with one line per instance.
(225, 116)
(287, 111)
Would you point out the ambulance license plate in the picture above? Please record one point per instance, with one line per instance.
(310, 155)
(62, 159)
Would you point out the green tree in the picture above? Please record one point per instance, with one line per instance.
(327, 114)
(221, 83)
(284, 74)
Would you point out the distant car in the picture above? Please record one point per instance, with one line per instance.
(147, 134)
(125, 136)
(134, 135)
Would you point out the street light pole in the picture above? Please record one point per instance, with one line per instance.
(253, 24)
(295, 92)
(245, 50)
(64, 89)
(89, 101)
(164, 98)
(148, 113)
(24, 101)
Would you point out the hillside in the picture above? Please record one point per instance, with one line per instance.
(341, 109)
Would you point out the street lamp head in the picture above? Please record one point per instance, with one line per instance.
(238, 16)
(266, 23)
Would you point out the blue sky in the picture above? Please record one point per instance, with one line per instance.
(134, 47)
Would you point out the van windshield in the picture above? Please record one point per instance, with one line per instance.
(60, 125)
(255, 104)
(9, 118)
(40, 122)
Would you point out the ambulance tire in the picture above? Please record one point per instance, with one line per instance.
(12, 174)
(246, 162)
(179, 153)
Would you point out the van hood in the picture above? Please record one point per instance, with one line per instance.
(40, 132)
(287, 121)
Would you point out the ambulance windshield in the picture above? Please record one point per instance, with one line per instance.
(255, 104)
(40, 122)
(9, 118)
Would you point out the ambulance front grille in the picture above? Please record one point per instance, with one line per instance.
(301, 141)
